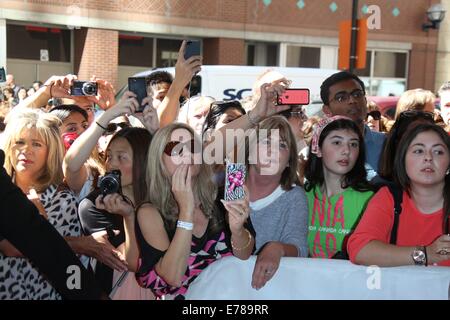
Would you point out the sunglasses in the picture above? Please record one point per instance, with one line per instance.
(176, 148)
(112, 127)
(376, 115)
(417, 114)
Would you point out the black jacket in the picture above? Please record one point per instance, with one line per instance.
(23, 226)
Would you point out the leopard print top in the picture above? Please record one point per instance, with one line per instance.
(19, 279)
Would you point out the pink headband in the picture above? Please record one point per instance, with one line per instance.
(318, 128)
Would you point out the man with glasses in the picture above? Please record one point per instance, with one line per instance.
(344, 94)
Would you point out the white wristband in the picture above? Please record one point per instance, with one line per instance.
(185, 225)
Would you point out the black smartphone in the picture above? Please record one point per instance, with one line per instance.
(138, 86)
(192, 49)
(294, 97)
(2, 75)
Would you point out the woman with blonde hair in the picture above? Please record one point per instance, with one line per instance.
(416, 99)
(33, 158)
(181, 231)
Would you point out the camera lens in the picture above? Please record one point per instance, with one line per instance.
(89, 89)
(109, 184)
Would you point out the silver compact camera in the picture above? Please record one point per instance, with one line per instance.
(84, 88)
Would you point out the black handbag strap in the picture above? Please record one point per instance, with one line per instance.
(397, 193)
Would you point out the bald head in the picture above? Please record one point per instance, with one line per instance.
(9, 79)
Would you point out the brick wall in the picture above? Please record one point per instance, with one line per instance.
(280, 13)
(281, 16)
(223, 51)
(422, 66)
(97, 53)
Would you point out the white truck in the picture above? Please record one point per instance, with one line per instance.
(236, 82)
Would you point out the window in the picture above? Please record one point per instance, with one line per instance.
(26, 42)
(305, 57)
(366, 71)
(167, 52)
(390, 64)
(135, 51)
(385, 72)
(262, 54)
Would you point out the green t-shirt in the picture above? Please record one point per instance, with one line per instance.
(331, 220)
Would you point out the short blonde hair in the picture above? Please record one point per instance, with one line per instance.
(415, 99)
(47, 127)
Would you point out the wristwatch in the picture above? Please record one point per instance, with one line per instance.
(419, 256)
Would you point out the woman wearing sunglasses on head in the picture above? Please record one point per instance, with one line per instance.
(181, 230)
(416, 99)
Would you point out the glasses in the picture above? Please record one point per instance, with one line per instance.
(112, 127)
(175, 148)
(344, 96)
(376, 115)
(417, 114)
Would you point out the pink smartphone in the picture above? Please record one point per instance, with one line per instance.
(294, 97)
(235, 174)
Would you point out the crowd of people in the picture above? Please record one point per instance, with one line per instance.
(131, 195)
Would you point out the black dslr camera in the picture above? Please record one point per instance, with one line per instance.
(110, 183)
(84, 88)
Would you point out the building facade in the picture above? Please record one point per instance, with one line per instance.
(114, 39)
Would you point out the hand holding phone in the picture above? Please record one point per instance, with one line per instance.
(294, 97)
(235, 175)
(192, 49)
(138, 86)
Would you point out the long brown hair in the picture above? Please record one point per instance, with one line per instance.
(139, 140)
(402, 178)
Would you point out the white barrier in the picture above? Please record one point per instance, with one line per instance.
(320, 279)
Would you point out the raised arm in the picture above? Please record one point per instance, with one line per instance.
(54, 87)
(265, 107)
(74, 167)
(184, 71)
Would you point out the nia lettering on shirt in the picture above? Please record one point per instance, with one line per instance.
(331, 232)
